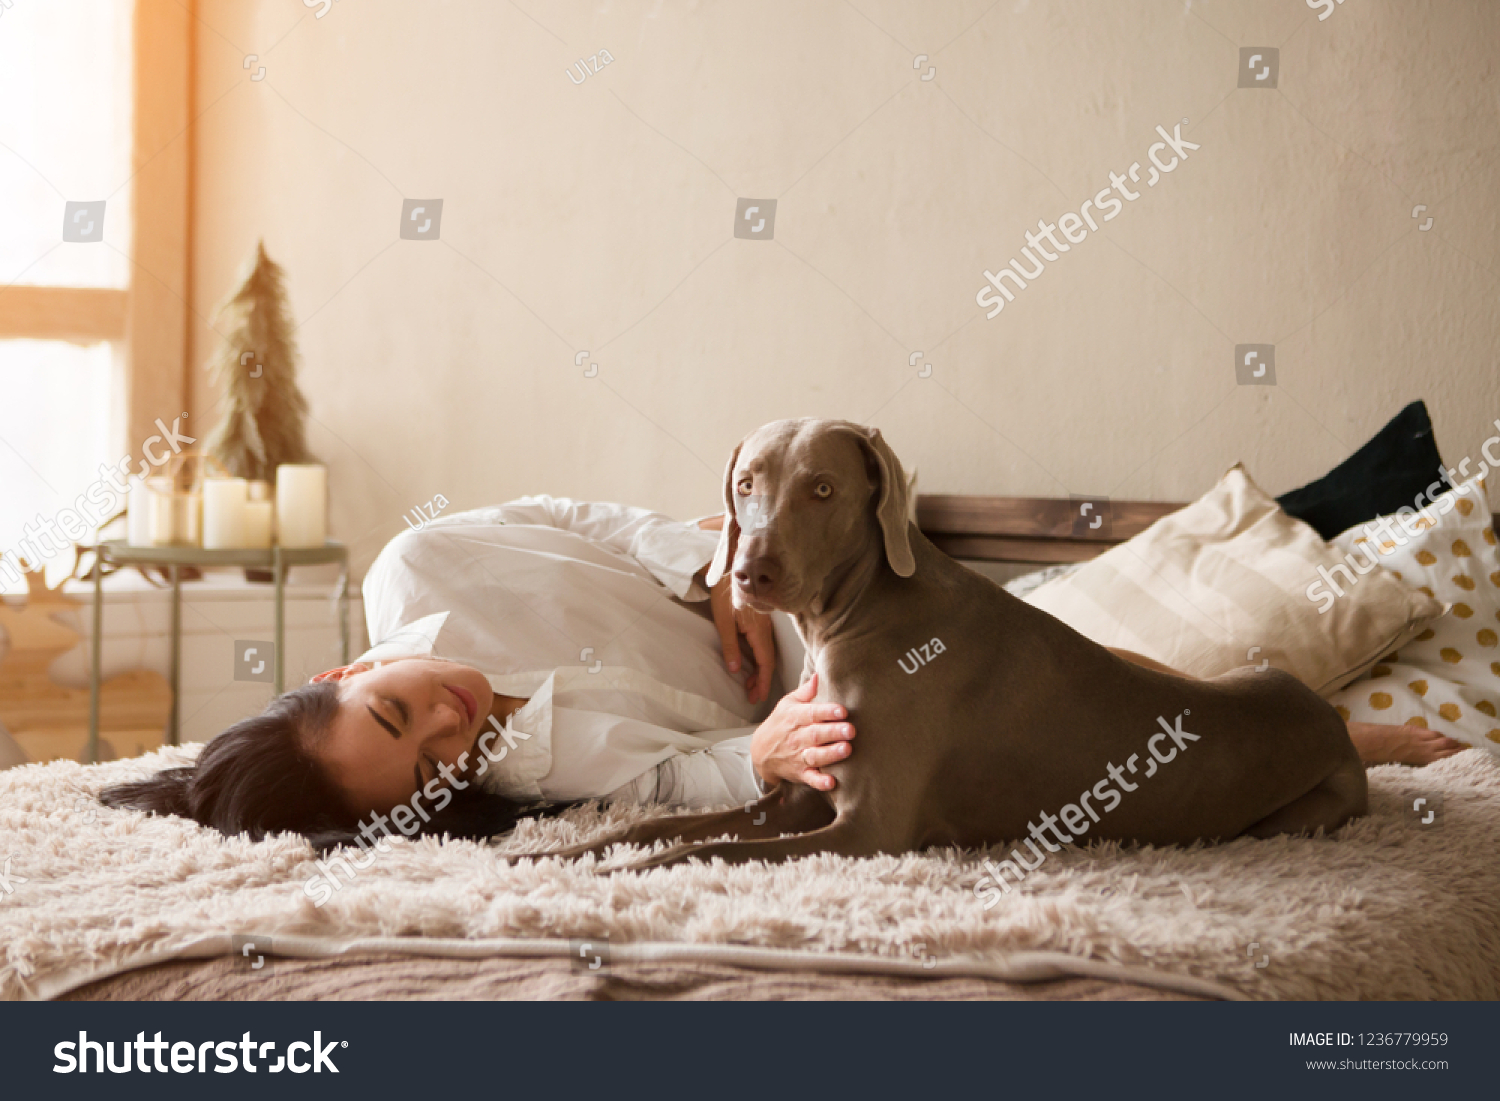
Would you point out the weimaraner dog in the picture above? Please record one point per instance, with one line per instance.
(978, 716)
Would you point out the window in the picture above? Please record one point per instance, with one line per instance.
(65, 78)
(56, 424)
(94, 156)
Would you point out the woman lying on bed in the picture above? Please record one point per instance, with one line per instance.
(575, 640)
(532, 655)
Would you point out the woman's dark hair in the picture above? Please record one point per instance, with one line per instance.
(259, 777)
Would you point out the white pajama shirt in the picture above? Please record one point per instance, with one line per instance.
(591, 613)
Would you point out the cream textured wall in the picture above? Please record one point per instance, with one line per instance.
(599, 216)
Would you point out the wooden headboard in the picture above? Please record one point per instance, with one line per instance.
(1032, 529)
(1035, 529)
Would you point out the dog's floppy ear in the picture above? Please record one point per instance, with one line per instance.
(892, 509)
(729, 534)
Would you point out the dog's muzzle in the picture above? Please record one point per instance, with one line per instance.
(758, 579)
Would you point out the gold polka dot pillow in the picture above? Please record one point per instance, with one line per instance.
(1448, 677)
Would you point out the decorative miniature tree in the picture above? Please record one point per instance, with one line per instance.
(264, 422)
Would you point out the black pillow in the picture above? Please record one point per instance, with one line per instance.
(1394, 468)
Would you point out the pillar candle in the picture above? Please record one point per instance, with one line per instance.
(138, 515)
(224, 503)
(301, 504)
(258, 516)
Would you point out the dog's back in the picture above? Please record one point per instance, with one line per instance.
(997, 713)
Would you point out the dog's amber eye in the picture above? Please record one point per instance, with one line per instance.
(824, 490)
(744, 487)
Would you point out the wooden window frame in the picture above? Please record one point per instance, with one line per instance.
(150, 316)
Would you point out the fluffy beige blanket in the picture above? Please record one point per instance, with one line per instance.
(1387, 908)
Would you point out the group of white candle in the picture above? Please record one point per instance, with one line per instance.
(233, 513)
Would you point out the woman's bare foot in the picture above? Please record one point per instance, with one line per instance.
(1382, 744)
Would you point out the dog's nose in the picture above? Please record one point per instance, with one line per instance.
(759, 575)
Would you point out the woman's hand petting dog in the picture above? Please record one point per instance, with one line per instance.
(801, 738)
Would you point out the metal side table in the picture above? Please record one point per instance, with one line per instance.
(277, 559)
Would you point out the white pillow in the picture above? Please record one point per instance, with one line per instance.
(1448, 677)
(1228, 581)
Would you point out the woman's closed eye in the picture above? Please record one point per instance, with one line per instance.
(401, 712)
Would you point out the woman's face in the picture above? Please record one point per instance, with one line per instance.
(397, 723)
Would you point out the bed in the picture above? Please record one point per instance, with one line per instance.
(1286, 918)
